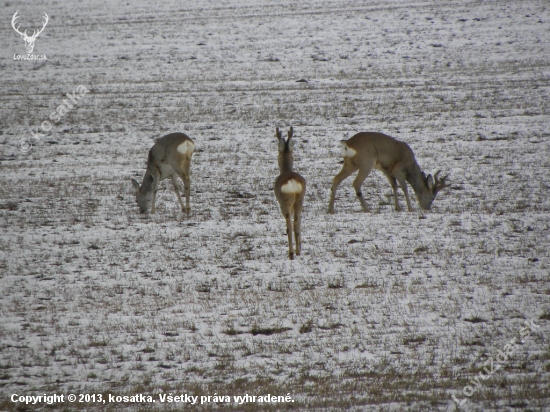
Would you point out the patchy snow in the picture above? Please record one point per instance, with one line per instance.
(383, 310)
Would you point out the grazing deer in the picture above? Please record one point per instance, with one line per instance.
(365, 151)
(170, 156)
(289, 189)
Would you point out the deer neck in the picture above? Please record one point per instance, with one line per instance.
(285, 162)
(147, 182)
(416, 180)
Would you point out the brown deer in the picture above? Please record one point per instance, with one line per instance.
(368, 150)
(290, 189)
(170, 156)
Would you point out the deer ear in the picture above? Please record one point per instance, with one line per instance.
(135, 184)
(278, 134)
(430, 182)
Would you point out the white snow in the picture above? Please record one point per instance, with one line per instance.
(382, 310)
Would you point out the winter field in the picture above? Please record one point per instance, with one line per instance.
(383, 311)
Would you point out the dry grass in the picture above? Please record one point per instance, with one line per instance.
(383, 311)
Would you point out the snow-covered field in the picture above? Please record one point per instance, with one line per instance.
(383, 311)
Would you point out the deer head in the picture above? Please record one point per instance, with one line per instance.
(29, 40)
(144, 198)
(285, 150)
(288, 145)
(434, 185)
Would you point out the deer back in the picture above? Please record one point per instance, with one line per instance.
(170, 152)
(386, 152)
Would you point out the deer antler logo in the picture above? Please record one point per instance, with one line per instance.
(29, 40)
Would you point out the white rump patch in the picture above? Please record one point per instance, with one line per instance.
(292, 186)
(186, 147)
(347, 151)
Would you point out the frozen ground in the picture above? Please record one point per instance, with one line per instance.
(383, 311)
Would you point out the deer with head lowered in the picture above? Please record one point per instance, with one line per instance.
(170, 156)
(368, 150)
(290, 189)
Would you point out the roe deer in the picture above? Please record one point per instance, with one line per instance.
(289, 189)
(169, 156)
(368, 150)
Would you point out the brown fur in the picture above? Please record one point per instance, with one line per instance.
(290, 203)
(165, 161)
(395, 159)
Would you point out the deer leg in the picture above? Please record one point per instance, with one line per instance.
(153, 202)
(187, 182)
(154, 188)
(403, 184)
(359, 179)
(154, 171)
(393, 183)
(187, 187)
(289, 233)
(347, 170)
(297, 222)
(177, 190)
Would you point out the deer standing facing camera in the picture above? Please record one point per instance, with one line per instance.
(170, 156)
(290, 189)
(368, 150)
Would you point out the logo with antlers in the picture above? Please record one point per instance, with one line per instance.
(29, 40)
